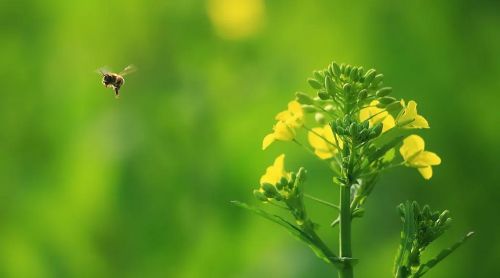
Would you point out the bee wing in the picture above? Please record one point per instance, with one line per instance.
(102, 70)
(128, 70)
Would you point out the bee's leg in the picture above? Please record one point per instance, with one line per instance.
(117, 93)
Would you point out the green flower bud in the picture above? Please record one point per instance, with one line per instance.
(330, 86)
(318, 75)
(384, 92)
(395, 106)
(259, 195)
(376, 130)
(309, 108)
(340, 131)
(282, 183)
(361, 70)
(320, 118)
(363, 94)
(329, 108)
(384, 101)
(336, 69)
(363, 135)
(269, 190)
(354, 74)
(347, 70)
(314, 83)
(303, 98)
(323, 95)
(426, 211)
(369, 76)
(342, 68)
(365, 125)
(444, 215)
(378, 78)
(347, 88)
(353, 129)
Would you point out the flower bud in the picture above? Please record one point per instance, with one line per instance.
(303, 98)
(376, 130)
(347, 88)
(323, 95)
(354, 74)
(314, 83)
(269, 190)
(329, 108)
(330, 86)
(384, 101)
(309, 108)
(378, 78)
(336, 69)
(259, 195)
(384, 92)
(318, 75)
(353, 129)
(363, 94)
(347, 70)
(320, 118)
(369, 76)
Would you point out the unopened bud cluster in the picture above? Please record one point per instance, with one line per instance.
(350, 86)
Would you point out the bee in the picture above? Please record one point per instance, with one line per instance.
(115, 80)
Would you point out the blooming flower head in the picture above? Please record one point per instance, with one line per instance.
(324, 149)
(415, 156)
(293, 116)
(377, 115)
(275, 172)
(288, 121)
(408, 117)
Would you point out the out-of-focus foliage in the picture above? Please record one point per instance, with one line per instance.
(140, 186)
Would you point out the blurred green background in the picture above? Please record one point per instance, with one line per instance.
(91, 186)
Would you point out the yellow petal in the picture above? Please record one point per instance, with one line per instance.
(283, 116)
(283, 132)
(426, 158)
(314, 140)
(295, 108)
(274, 172)
(268, 140)
(411, 145)
(426, 172)
(419, 122)
(324, 154)
(388, 123)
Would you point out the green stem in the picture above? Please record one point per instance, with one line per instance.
(345, 251)
(345, 231)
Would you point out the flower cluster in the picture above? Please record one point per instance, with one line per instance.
(285, 129)
(354, 125)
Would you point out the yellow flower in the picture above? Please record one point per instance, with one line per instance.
(293, 116)
(377, 115)
(408, 117)
(275, 172)
(415, 156)
(322, 148)
(288, 121)
(236, 19)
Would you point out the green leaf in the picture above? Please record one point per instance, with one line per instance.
(294, 230)
(408, 235)
(441, 256)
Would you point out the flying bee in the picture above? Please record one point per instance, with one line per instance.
(115, 80)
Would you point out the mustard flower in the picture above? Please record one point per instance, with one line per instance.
(415, 156)
(322, 148)
(275, 172)
(377, 115)
(288, 121)
(408, 117)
